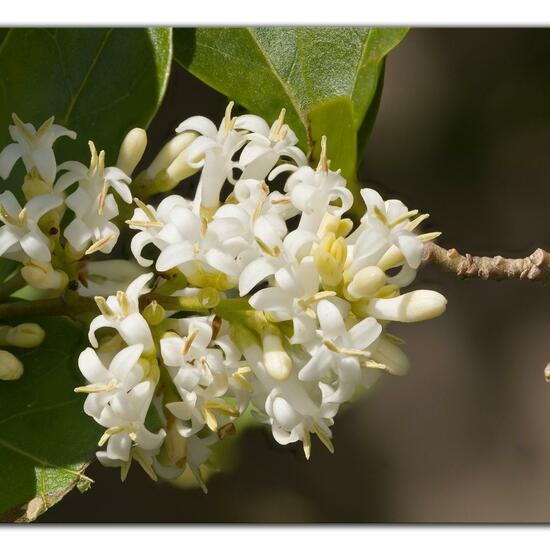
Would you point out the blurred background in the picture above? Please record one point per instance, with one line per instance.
(463, 133)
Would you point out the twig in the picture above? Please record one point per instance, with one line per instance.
(535, 267)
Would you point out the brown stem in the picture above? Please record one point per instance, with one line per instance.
(535, 267)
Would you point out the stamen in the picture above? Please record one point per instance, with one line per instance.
(402, 218)
(221, 407)
(23, 215)
(140, 459)
(346, 351)
(369, 364)
(45, 127)
(142, 223)
(146, 210)
(210, 419)
(97, 388)
(122, 300)
(93, 159)
(317, 297)
(323, 164)
(325, 440)
(99, 244)
(204, 226)
(281, 200)
(104, 307)
(276, 134)
(307, 444)
(229, 123)
(270, 251)
(415, 223)
(380, 215)
(108, 433)
(189, 341)
(258, 209)
(426, 237)
(101, 164)
(102, 197)
(21, 125)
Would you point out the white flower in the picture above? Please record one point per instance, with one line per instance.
(213, 151)
(124, 418)
(96, 180)
(294, 297)
(199, 374)
(340, 350)
(391, 220)
(123, 374)
(34, 147)
(20, 237)
(122, 313)
(266, 146)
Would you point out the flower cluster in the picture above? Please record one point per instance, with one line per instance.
(256, 292)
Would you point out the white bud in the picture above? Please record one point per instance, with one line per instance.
(131, 150)
(10, 367)
(44, 276)
(392, 356)
(391, 258)
(277, 361)
(169, 152)
(366, 282)
(419, 305)
(179, 169)
(25, 335)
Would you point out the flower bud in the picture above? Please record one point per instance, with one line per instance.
(418, 305)
(154, 313)
(330, 257)
(391, 258)
(10, 367)
(34, 185)
(366, 282)
(277, 361)
(131, 150)
(392, 356)
(169, 152)
(25, 335)
(44, 276)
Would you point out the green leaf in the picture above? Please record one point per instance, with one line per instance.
(46, 440)
(315, 73)
(98, 82)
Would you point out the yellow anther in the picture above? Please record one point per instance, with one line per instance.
(228, 122)
(93, 159)
(104, 307)
(325, 440)
(323, 163)
(122, 300)
(402, 218)
(413, 224)
(188, 341)
(146, 210)
(99, 244)
(346, 351)
(21, 125)
(278, 133)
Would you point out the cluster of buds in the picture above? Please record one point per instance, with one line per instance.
(244, 295)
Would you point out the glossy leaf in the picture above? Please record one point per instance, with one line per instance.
(46, 440)
(312, 72)
(98, 82)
